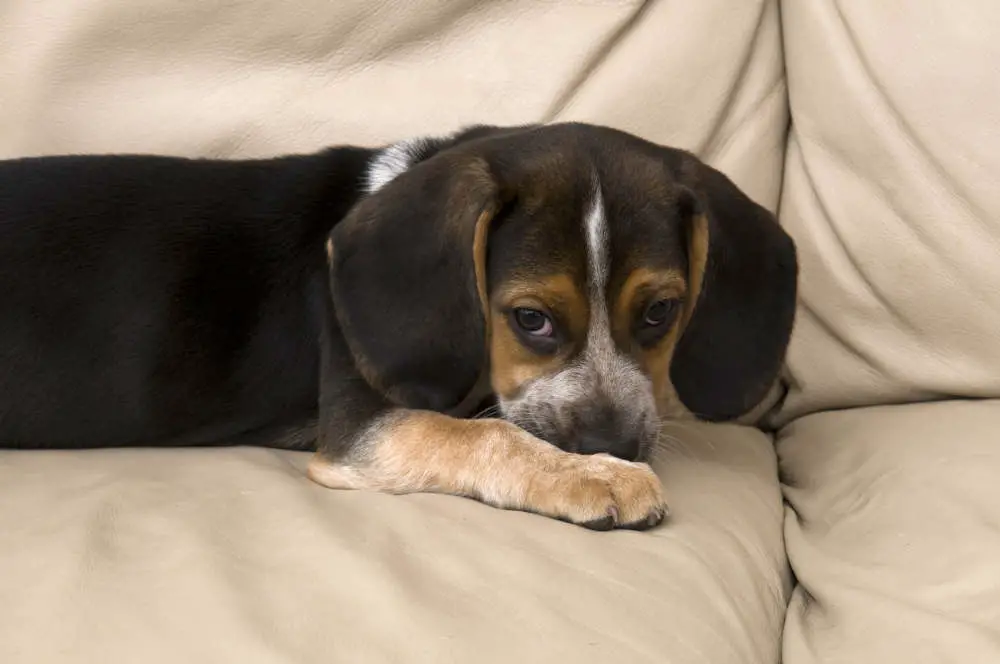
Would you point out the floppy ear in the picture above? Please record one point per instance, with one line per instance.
(407, 277)
(742, 295)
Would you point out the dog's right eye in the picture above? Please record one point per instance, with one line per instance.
(535, 329)
(533, 322)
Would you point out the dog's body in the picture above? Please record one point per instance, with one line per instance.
(592, 283)
(161, 301)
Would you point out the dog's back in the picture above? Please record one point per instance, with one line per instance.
(162, 300)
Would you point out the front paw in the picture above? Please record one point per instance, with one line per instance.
(599, 492)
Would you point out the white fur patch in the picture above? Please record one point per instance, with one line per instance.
(598, 251)
(600, 346)
(391, 162)
(617, 376)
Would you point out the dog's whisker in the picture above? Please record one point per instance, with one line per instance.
(689, 430)
(670, 447)
(489, 411)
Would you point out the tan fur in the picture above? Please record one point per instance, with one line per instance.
(479, 258)
(697, 260)
(511, 364)
(641, 286)
(644, 285)
(657, 359)
(495, 462)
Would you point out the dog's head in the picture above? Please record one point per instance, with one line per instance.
(600, 282)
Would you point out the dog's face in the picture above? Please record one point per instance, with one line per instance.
(601, 283)
(587, 282)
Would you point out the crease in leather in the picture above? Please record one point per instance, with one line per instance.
(429, 27)
(772, 588)
(870, 592)
(847, 254)
(906, 135)
(716, 142)
(833, 332)
(725, 609)
(909, 136)
(904, 129)
(603, 51)
(807, 636)
(889, 368)
(722, 111)
(897, 461)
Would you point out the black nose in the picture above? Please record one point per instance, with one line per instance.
(610, 439)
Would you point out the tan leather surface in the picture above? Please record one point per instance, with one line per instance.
(265, 76)
(891, 193)
(893, 530)
(233, 556)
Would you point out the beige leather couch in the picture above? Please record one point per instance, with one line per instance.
(870, 532)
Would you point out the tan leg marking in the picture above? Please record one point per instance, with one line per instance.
(498, 464)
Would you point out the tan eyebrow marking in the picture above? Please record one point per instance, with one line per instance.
(645, 281)
(557, 291)
(655, 360)
(511, 364)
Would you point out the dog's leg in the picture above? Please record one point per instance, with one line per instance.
(407, 451)
(367, 443)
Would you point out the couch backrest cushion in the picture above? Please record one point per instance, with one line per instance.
(891, 191)
(267, 76)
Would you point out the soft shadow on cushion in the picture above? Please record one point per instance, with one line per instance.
(893, 530)
(232, 555)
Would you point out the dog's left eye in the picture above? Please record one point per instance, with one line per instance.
(659, 312)
(533, 322)
(655, 321)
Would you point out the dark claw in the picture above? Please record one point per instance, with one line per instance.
(604, 523)
(651, 521)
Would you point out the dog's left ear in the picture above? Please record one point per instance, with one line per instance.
(407, 277)
(743, 276)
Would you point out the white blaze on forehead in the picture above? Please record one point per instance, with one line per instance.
(615, 371)
(598, 258)
(598, 251)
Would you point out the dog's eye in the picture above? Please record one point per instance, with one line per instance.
(659, 312)
(533, 322)
(655, 322)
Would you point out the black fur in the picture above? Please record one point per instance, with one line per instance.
(403, 290)
(734, 345)
(155, 300)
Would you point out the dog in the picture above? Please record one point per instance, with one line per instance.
(367, 303)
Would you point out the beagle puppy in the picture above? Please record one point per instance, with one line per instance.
(583, 282)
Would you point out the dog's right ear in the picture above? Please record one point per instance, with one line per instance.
(407, 277)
